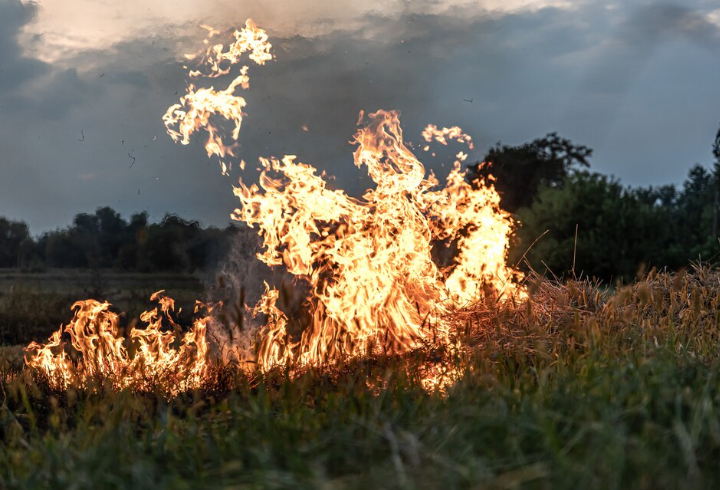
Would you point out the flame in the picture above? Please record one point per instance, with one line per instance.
(431, 132)
(195, 110)
(199, 106)
(437, 378)
(103, 354)
(250, 39)
(368, 263)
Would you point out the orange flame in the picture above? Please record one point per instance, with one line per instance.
(104, 354)
(199, 105)
(431, 132)
(250, 39)
(374, 285)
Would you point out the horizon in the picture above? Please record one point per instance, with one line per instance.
(82, 101)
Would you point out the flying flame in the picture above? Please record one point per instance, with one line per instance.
(368, 263)
(433, 133)
(199, 106)
(250, 39)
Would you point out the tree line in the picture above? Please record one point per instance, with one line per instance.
(571, 220)
(106, 240)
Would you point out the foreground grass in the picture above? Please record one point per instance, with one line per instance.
(572, 390)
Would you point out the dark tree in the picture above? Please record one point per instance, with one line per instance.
(13, 235)
(166, 245)
(111, 235)
(618, 229)
(716, 190)
(105, 240)
(520, 171)
(135, 235)
(694, 215)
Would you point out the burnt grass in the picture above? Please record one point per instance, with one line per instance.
(579, 387)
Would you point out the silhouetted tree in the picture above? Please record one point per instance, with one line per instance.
(716, 175)
(105, 240)
(13, 234)
(166, 245)
(520, 171)
(694, 215)
(134, 238)
(111, 234)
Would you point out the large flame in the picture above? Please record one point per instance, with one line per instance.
(368, 262)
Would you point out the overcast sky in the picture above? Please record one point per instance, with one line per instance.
(84, 83)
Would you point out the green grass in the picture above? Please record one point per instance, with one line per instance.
(576, 389)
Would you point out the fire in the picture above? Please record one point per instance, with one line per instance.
(157, 355)
(431, 132)
(199, 105)
(248, 39)
(369, 263)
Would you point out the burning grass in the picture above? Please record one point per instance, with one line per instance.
(33, 305)
(576, 388)
(392, 379)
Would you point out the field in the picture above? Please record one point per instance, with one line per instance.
(33, 305)
(577, 388)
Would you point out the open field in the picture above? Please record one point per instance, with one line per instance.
(575, 389)
(32, 305)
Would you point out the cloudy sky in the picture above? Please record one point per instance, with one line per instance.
(84, 83)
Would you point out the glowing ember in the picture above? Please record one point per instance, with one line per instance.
(368, 262)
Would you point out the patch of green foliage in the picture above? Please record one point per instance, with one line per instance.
(572, 219)
(576, 388)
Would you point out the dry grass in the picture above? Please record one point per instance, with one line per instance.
(579, 387)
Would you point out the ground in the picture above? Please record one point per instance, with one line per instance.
(576, 388)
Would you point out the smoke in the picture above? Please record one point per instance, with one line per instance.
(241, 280)
(16, 68)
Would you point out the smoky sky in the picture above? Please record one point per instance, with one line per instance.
(636, 81)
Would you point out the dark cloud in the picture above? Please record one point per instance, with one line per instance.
(618, 78)
(28, 85)
(527, 73)
(651, 25)
(135, 78)
(15, 69)
(641, 34)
